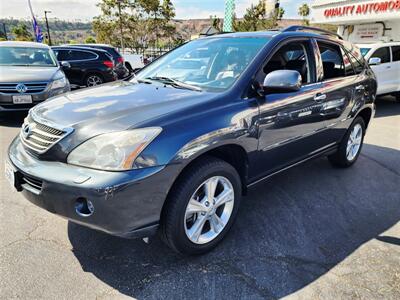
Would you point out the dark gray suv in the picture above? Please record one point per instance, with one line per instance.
(29, 74)
(174, 150)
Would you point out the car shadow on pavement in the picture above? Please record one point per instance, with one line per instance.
(12, 119)
(290, 230)
(387, 106)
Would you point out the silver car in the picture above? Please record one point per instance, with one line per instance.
(29, 74)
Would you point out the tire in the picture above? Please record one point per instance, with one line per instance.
(397, 97)
(344, 158)
(178, 224)
(90, 79)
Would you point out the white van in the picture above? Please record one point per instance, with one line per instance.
(384, 59)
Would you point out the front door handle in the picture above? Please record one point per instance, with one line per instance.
(319, 97)
(360, 88)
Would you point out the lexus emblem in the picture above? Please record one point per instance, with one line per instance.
(27, 131)
(21, 88)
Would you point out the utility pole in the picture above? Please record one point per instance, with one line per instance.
(47, 25)
(120, 26)
(5, 31)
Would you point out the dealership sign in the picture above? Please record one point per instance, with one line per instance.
(363, 9)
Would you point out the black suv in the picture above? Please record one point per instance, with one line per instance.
(120, 67)
(174, 150)
(87, 66)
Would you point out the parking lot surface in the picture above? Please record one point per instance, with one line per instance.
(313, 232)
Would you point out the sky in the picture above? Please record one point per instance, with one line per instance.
(86, 9)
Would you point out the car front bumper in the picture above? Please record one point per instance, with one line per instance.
(7, 105)
(126, 204)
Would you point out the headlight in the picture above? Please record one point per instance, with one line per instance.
(114, 151)
(59, 83)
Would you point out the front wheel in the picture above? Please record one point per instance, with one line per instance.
(202, 207)
(350, 146)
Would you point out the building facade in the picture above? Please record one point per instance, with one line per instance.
(360, 21)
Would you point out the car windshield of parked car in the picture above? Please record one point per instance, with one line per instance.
(364, 51)
(211, 64)
(26, 56)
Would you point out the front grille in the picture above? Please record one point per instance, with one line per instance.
(39, 138)
(31, 87)
(32, 182)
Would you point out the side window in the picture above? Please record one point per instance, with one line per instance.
(332, 61)
(348, 67)
(396, 53)
(293, 56)
(61, 55)
(82, 55)
(383, 54)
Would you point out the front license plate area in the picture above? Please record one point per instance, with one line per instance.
(22, 99)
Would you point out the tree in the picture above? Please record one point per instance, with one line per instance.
(144, 22)
(21, 33)
(304, 12)
(216, 23)
(90, 40)
(280, 13)
(253, 19)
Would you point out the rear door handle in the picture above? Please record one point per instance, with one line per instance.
(319, 97)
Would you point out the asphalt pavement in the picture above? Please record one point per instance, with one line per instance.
(313, 232)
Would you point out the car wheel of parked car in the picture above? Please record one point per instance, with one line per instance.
(93, 80)
(201, 207)
(350, 147)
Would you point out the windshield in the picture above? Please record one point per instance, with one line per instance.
(364, 51)
(24, 56)
(211, 64)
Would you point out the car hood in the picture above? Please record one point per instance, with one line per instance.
(115, 106)
(26, 74)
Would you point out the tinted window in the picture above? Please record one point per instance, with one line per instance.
(332, 61)
(396, 53)
(82, 55)
(358, 66)
(383, 54)
(349, 70)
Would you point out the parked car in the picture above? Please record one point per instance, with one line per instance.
(384, 59)
(120, 67)
(29, 74)
(88, 67)
(134, 62)
(175, 156)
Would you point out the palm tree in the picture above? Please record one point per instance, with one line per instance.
(304, 12)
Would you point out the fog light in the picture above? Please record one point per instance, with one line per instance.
(84, 207)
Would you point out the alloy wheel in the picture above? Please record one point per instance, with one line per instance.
(354, 142)
(94, 80)
(209, 210)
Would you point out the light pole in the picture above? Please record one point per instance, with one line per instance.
(47, 25)
(5, 31)
(120, 26)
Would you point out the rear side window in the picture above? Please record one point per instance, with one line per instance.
(82, 55)
(383, 54)
(62, 55)
(358, 66)
(396, 53)
(332, 61)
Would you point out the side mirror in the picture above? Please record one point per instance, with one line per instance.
(282, 81)
(65, 65)
(374, 61)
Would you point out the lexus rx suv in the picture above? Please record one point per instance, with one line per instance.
(173, 154)
(29, 74)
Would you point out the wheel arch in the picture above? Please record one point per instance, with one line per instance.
(366, 114)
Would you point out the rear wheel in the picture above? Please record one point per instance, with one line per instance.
(93, 80)
(350, 147)
(202, 207)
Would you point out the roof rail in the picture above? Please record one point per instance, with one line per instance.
(308, 28)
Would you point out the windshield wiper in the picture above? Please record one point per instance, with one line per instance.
(174, 83)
